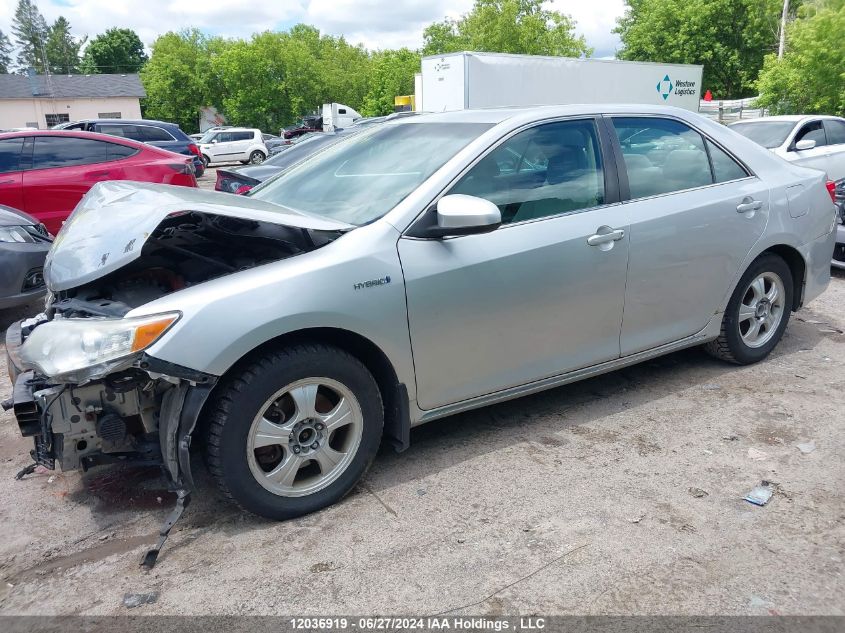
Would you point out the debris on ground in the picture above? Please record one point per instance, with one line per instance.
(757, 455)
(730, 438)
(637, 519)
(807, 447)
(761, 494)
(698, 493)
(132, 600)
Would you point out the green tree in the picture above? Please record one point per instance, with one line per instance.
(5, 53)
(730, 38)
(811, 76)
(115, 51)
(391, 74)
(63, 48)
(179, 77)
(30, 30)
(507, 26)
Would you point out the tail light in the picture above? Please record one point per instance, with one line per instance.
(195, 150)
(186, 168)
(243, 189)
(831, 189)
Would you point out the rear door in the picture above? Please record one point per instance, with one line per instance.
(11, 173)
(241, 142)
(63, 169)
(835, 133)
(695, 212)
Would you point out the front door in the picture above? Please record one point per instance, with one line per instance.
(695, 213)
(541, 295)
(816, 157)
(11, 176)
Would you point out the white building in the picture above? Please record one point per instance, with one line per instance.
(42, 102)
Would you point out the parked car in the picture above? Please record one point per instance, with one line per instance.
(306, 125)
(46, 173)
(161, 134)
(233, 144)
(243, 178)
(24, 243)
(812, 141)
(402, 276)
(274, 144)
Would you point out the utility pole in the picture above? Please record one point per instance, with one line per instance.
(782, 42)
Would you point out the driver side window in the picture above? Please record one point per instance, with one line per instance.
(544, 171)
(812, 132)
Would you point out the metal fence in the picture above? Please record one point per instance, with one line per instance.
(731, 110)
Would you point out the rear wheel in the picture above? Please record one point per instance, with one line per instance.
(256, 158)
(294, 431)
(757, 314)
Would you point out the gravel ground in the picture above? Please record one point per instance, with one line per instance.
(618, 495)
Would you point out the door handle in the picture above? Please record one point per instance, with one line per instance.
(6, 182)
(97, 174)
(613, 235)
(749, 204)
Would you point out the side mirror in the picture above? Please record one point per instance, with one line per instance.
(459, 214)
(804, 144)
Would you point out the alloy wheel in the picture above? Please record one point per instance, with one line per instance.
(304, 437)
(761, 309)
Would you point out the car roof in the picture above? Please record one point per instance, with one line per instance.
(787, 118)
(152, 122)
(95, 136)
(531, 113)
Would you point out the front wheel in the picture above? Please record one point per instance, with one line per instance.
(293, 431)
(256, 158)
(757, 314)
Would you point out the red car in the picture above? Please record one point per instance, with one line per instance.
(45, 173)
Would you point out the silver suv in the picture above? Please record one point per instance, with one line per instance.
(423, 267)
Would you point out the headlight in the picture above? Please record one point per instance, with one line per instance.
(79, 350)
(16, 234)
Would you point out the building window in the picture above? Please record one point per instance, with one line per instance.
(55, 119)
(109, 115)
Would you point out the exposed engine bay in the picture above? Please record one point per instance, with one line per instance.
(187, 249)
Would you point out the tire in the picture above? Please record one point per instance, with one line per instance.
(244, 470)
(257, 157)
(206, 161)
(736, 342)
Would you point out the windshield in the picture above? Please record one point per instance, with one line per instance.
(206, 138)
(766, 133)
(362, 178)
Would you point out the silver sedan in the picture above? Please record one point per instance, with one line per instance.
(423, 267)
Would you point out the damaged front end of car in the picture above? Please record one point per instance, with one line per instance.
(86, 388)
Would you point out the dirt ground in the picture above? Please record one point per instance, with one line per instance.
(618, 495)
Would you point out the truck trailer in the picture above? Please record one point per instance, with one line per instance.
(459, 81)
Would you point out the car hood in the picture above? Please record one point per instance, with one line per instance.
(109, 227)
(13, 217)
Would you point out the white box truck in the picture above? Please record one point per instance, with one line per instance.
(337, 116)
(459, 81)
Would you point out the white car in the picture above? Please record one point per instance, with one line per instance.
(233, 144)
(816, 141)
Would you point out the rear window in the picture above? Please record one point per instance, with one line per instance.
(155, 134)
(835, 131)
(67, 151)
(769, 134)
(10, 154)
(118, 152)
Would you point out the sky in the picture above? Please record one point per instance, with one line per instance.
(378, 24)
